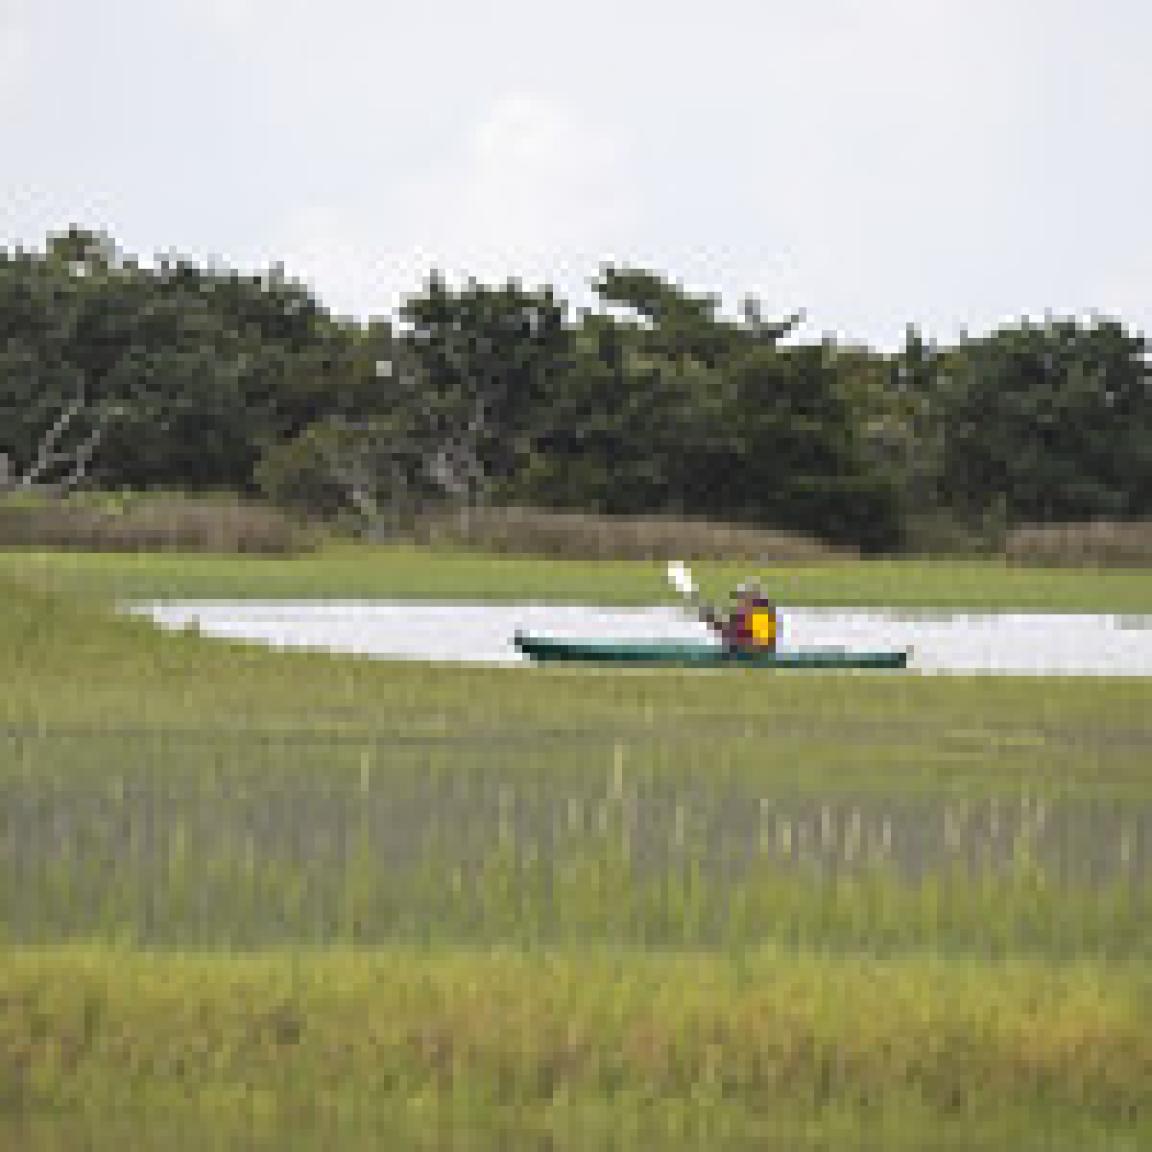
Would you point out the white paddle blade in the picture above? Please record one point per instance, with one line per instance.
(681, 579)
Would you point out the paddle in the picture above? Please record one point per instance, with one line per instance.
(681, 579)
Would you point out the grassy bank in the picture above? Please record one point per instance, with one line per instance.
(349, 571)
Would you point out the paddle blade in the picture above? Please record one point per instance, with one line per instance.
(681, 579)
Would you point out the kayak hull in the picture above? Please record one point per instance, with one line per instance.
(686, 654)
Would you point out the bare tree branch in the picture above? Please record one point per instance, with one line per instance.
(356, 479)
(51, 454)
(86, 451)
(47, 454)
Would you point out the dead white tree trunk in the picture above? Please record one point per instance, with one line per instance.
(365, 461)
(455, 467)
(356, 476)
(60, 461)
(385, 470)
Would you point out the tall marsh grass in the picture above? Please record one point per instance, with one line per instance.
(591, 536)
(674, 1049)
(256, 839)
(1096, 544)
(149, 522)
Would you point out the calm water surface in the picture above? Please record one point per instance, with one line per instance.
(942, 641)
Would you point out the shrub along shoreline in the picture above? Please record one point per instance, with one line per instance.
(174, 522)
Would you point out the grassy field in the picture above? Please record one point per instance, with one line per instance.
(293, 894)
(349, 571)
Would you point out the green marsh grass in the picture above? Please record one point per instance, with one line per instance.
(553, 906)
(696, 1044)
(349, 571)
(202, 839)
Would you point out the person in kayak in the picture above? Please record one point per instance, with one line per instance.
(753, 624)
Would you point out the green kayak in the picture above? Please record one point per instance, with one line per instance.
(683, 654)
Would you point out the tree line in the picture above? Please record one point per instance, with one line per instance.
(115, 374)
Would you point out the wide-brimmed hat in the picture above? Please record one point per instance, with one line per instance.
(749, 588)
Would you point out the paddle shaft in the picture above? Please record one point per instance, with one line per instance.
(705, 612)
(686, 588)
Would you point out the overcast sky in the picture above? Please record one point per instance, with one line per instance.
(876, 162)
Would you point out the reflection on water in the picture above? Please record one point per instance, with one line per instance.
(1021, 642)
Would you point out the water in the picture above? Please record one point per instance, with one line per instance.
(941, 641)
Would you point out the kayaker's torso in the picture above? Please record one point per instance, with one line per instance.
(752, 624)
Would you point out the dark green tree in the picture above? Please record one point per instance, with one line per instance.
(487, 363)
(1052, 422)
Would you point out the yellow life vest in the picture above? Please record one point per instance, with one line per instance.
(763, 625)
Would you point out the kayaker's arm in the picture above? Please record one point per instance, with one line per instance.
(712, 618)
